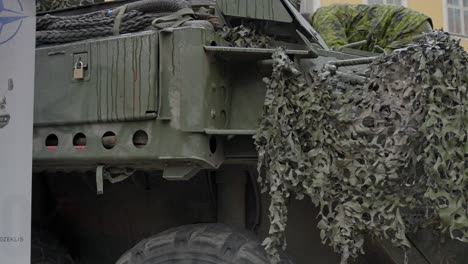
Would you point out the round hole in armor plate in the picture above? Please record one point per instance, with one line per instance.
(109, 140)
(140, 139)
(51, 142)
(79, 141)
(213, 144)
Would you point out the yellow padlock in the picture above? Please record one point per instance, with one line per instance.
(78, 71)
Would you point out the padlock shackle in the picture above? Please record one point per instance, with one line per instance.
(78, 65)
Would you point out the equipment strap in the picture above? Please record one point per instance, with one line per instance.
(100, 179)
(118, 19)
(179, 17)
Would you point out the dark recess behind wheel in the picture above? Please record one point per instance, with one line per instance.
(98, 229)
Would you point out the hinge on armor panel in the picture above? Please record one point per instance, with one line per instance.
(113, 175)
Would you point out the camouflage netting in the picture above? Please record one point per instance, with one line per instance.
(383, 26)
(245, 37)
(379, 159)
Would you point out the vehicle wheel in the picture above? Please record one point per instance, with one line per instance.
(198, 244)
(46, 249)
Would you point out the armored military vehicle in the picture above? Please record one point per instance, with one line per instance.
(143, 125)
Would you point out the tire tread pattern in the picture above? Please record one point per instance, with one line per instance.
(201, 243)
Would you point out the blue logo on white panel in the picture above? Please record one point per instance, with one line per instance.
(11, 19)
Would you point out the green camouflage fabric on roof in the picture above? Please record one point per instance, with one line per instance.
(388, 26)
(50, 5)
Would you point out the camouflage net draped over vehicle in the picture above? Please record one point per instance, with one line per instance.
(245, 37)
(378, 159)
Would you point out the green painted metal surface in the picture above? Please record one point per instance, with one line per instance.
(194, 90)
(120, 81)
(196, 99)
(120, 94)
(175, 85)
(259, 9)
(168, 84)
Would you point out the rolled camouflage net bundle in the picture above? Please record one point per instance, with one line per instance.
(50, 5)
(138, 16)
(379, 159)
(76, 29)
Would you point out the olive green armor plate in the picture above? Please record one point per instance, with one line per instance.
(161, 83)
(150, 100)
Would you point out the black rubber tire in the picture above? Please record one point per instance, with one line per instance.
(198, 244)
(47, 249)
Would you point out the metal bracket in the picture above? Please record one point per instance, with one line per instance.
(102, 173)
(252, 54)
(353, 44)
(230, 132)
(304, 26)
(352, 62)
(180, 173)
(100, 180)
